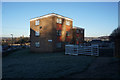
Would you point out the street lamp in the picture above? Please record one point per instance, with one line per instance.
(12, 39)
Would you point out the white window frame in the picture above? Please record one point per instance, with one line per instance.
(37, 44)
(68, 23)
(58, 32)
(59, 20)
(37, 22)
(81, 31)
(37, 33)
(77, 31)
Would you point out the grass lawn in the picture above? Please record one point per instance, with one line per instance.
(24, 64)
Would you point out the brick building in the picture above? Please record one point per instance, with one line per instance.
(78, 35)
(48, 33)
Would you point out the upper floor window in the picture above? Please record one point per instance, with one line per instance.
(58, 32)
(59, 20)
(37, 33)
(67, 33)
(37, 22)
(68, 23)
(81, 31)
(37, 44)
(77, 31)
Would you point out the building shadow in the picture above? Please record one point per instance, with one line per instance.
(106, 52)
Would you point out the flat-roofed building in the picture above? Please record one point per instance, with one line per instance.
(48, 33)
(78, 35)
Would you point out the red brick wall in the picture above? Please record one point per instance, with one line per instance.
(49, 31)
(78, 38)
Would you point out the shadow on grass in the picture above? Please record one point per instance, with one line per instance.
(79, 72)
(4, 54)
(106, 52)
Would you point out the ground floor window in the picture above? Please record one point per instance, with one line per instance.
(67, 33)
(37, 44)
(58, 32)
(59, 45)
(37, 33)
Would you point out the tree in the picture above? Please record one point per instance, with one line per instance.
(115, 34)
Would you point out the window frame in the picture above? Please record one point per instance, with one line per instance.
(59, 20)
(37, 22)
(37, 44)
(67, 22)
(82, 31)
(77, 31)
(58, 32)
(36, 33)
(59, 45)
(67, 33)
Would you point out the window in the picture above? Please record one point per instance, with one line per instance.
(67, 33)
(59, 20)
(37, 44)
(81, 31)
(77, 39)
(37, 22)
(58, 32)
(67, 22)
(58, 45)
(37, 33)
(77, 31)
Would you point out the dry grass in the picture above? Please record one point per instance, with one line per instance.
(24, 64)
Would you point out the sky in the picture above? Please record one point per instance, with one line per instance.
(119, 14)
(97, 18)
(60, 0)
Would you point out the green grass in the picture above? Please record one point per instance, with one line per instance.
(24, 64)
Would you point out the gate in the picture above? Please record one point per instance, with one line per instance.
(92, 50)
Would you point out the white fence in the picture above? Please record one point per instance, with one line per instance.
(85, 50)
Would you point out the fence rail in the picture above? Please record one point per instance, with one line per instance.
(92, 50)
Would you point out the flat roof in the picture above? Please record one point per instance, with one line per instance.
(74, 27)
(51, 14)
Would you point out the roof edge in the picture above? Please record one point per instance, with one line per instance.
(74, 27)
(51, 14)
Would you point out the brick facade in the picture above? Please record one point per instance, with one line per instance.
(78, 35)
(51, 34)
